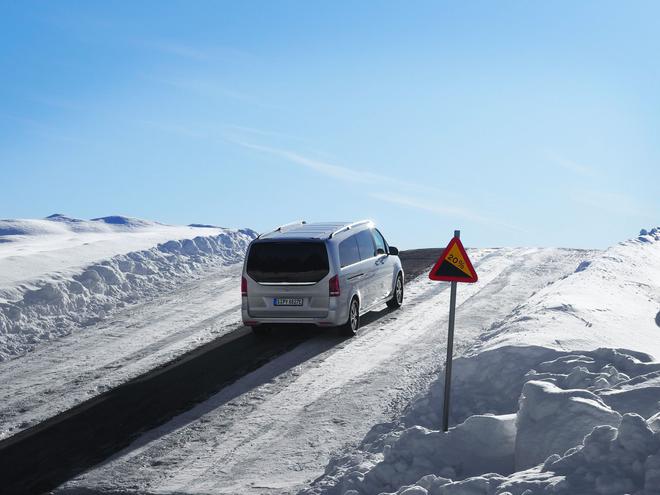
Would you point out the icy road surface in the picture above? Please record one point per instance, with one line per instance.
(136, 339)
(274, 430)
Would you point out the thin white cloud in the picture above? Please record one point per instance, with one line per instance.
(378, 180)
(329, 169)
(441, 210)
(572, 166)
(241, 129)
(178, 49)
(336, 171)
(43, 130)
(181, 130)
(212, 89)
(609, 202)
(194, 52)
(346, 174)
(203, 87)
(433, 207)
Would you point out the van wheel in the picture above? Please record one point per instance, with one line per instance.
(350, 328)
(397, 297)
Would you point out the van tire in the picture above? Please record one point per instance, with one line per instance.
(397, 296)
(350, 328)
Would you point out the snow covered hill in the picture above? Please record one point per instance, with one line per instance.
(612, 300)
(539, 403)
(61, 274)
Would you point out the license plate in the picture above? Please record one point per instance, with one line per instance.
(287, 301)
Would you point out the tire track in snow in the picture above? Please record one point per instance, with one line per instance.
(274, 430)
(61, 374)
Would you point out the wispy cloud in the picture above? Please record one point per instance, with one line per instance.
(416, 197)
(610, 202)
(201, 86)
(433, 207)
(194, 52)
(212, 89)
(593, 196)
(322, 167)
(42, 130)
(441, 210)
(181, 130)
(571, 165)
(339, 172)
(178, 49)
(239, 130)
(60, 103)
(378, 180)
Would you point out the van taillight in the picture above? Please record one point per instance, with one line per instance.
(243, 286)
(334, 286)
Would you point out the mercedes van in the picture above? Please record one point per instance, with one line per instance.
(326, 274)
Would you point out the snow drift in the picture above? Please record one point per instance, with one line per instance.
(533, 413)
(64, 293)
(548, 441)
(611, 300)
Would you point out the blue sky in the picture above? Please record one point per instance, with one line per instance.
(521, 123)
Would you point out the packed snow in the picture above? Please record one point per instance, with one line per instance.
(564, 417)
(610, 301)
(108, 300)
(559, 440)
(274, 430)
(60, 274)
(556, 379)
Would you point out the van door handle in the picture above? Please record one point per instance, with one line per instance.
(355, 276)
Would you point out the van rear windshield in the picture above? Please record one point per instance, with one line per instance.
(288, 262)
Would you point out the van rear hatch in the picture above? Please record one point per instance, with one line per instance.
(287, 273)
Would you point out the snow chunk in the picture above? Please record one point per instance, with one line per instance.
(613, 461)
(551, 421)
(483, 443)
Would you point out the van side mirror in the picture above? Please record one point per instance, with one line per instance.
(394, 251)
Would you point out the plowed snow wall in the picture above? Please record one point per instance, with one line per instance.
(57, 308)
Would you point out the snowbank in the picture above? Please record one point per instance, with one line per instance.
(612, 300)
(33, 251)
(549, 437)
(533, 413)
(545, 410)
(65, 293)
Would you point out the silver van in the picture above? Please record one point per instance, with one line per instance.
(327, 274)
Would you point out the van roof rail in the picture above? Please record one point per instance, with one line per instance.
(348, 227)
(282, 227)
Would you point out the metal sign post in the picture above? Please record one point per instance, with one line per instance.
(453, 266)
(450, 349)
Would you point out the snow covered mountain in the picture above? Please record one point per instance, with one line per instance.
(60, 273)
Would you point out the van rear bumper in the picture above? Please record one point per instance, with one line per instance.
(331, 319)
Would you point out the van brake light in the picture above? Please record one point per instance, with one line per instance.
(334, 286)
(243, 286)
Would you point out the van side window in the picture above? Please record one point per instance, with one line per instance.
(366, 244)
(379, 240)
(348, 251)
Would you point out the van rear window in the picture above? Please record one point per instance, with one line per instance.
(288, 262)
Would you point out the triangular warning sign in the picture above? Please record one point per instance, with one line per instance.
(454, 264)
